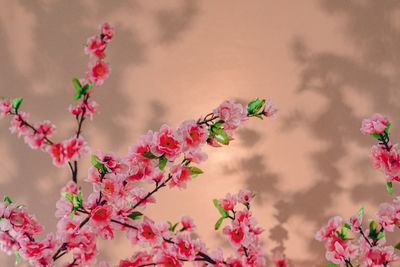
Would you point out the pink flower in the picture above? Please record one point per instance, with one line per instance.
(374, 125)
(166, 143)
(187, 223)
(148, 232)
(19, 126)
(329, 230)
(193, 135)
(280, 260)
(186, 248)
(36, 139)
(57, 152)
(377, 255)
(269, 109)
(139, 258)
(101, 215)
(229, 202)
(5, 108)
(387, 216)
(245, 196)
(196, 156)
(233, 114)
(74, 148)
(180, 176)
(98, 72)
(355, 223)
(388, 161)
(107, 32)
(95, 47)
(167, 259)
(236, 234)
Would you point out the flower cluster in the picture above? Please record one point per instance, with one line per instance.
(17, 235)
(348, 243)
(168, 157)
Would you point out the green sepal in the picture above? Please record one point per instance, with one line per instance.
(255, 106)
(218, 223)
(162, 162)
(7, 200)
(149, 155)
(332, 265)
(195, 171)
(97, 164)
(389, 187)
(172, 227)
(16, 103)
(136, 215)
(221, 211)
(397, 246)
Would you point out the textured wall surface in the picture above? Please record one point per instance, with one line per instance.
(326, 64)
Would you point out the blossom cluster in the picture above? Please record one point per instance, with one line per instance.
(38, 135)
(119, 197)
(18, 230)
(347, 243)
(168, 157)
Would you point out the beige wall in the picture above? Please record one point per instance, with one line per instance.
(326, 64)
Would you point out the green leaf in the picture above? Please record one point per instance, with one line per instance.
(162, 162)
(221, 211)
(68, 196)
(87, 87)
(380, 235)
(16, 103)
(373, 225)
(376, 136)
(136, 215)
(17, 257)
(7, 200)
(78, 89)
(221, 136)
(387, 128)
(361, 212)
(77, 200)
(218, 223)
(389, 187)
(97, 164)
(149, 155)
(255, 106)
(332, 265)
(195, 171)
(397, 246)
(172, 227)
(218, 124)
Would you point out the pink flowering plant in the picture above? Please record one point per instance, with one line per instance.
(169, 157)
(357, 242)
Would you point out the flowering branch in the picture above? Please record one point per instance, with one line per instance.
(118, 198)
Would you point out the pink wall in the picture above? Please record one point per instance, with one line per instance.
(326, 64)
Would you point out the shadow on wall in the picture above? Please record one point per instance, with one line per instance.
(373, 73)
(58, 33)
